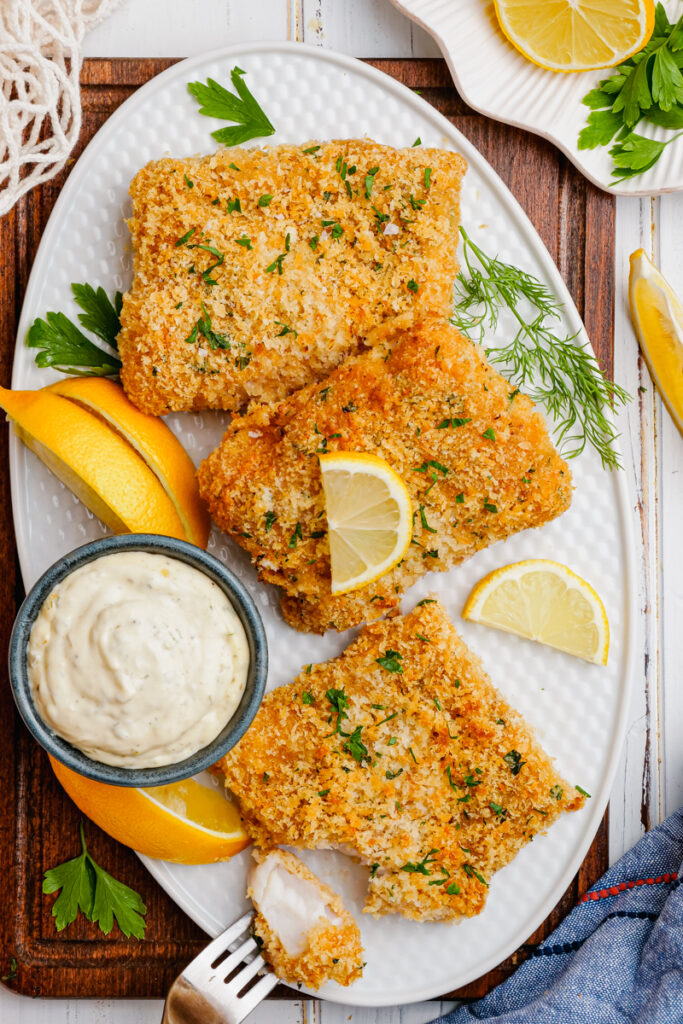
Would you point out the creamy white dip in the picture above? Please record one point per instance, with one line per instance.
(137, 659)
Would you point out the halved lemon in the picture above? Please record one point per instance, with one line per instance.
(657, 315)
(543, 601)
(369, 517)
(184, 822)
(152, 440)
(576, 35)
(95, 462)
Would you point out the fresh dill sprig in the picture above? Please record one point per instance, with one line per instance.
(555, 371)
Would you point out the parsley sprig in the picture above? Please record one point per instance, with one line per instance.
(250, 122)
(553, 370)
(647, 86)
(63, 345)
(87, 887)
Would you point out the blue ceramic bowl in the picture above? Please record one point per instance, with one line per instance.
(74, 758)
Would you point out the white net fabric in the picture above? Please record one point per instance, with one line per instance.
(40, 107)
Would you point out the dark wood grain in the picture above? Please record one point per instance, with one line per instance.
(38, 822)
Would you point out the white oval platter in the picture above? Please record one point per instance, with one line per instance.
(496, 80)
(578, 710)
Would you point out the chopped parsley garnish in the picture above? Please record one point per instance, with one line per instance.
(473, 873)
(499, 811)
(453, 421)
(311, 149)
(391, 660)
(240, 107)
(436, 702)
(340, 703)
(460, 498)
(313, 242)
(373, 870)
(556, 792)
(418, 142)
(393, 775)
(190, 184)
(286, 329)
(370, 181)
(453, 889)
(355, 746)
(413, 286)
(296, 536)
(490, 434)
(450, 780)
(186, 238)
(270, 518)
(489, 507)
(582, 791)
(307, 698)
(337, 230)
(234, 166)
(234, 205)
(423, 520)
(244, 241)
(410, 751)
(205, 328)
(265, 200)
(276, 264)
(421, 868)
(428, 176)
(323, 792)
(426, 600)
(392, 741)
(513, 759)
(424, 639)
(416, 204)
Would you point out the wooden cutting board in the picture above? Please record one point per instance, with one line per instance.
(38, 823)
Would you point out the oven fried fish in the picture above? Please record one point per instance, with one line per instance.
(401, 752)
(472, 451)
(308, 935)
(258, 270)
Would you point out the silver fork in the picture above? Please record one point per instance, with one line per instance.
(218, 987)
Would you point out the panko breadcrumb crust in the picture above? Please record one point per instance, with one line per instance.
(258, 270)
(403, 752)
(334, 952)
(474, 454)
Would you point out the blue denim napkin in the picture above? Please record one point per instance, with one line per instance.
(617, 957)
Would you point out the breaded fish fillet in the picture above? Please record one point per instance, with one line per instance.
(258, 270)
(475, 456)
(401, 751)
(308, 935)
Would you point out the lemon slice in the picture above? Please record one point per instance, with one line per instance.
(658, 319)
(184, 822)
(152, 440)
(576, 35)
(543, 601)
(95, 462)
(369, 517)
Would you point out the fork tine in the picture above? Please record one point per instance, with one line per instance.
(197, 969)
(246, 974)
(255, 995)
(237, 957)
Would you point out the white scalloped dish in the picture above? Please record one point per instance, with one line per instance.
(578, 710)
(496, 80)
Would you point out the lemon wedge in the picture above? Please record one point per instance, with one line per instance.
(543, 601)
(95, 462)
(658, 319)
(184, 822)
(369, 517)
(152, 440)
(576, 35)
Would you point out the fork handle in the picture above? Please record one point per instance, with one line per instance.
(186, 1005)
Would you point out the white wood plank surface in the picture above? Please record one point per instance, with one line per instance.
(649, 782)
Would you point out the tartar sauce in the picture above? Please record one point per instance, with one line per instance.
(138, 659)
